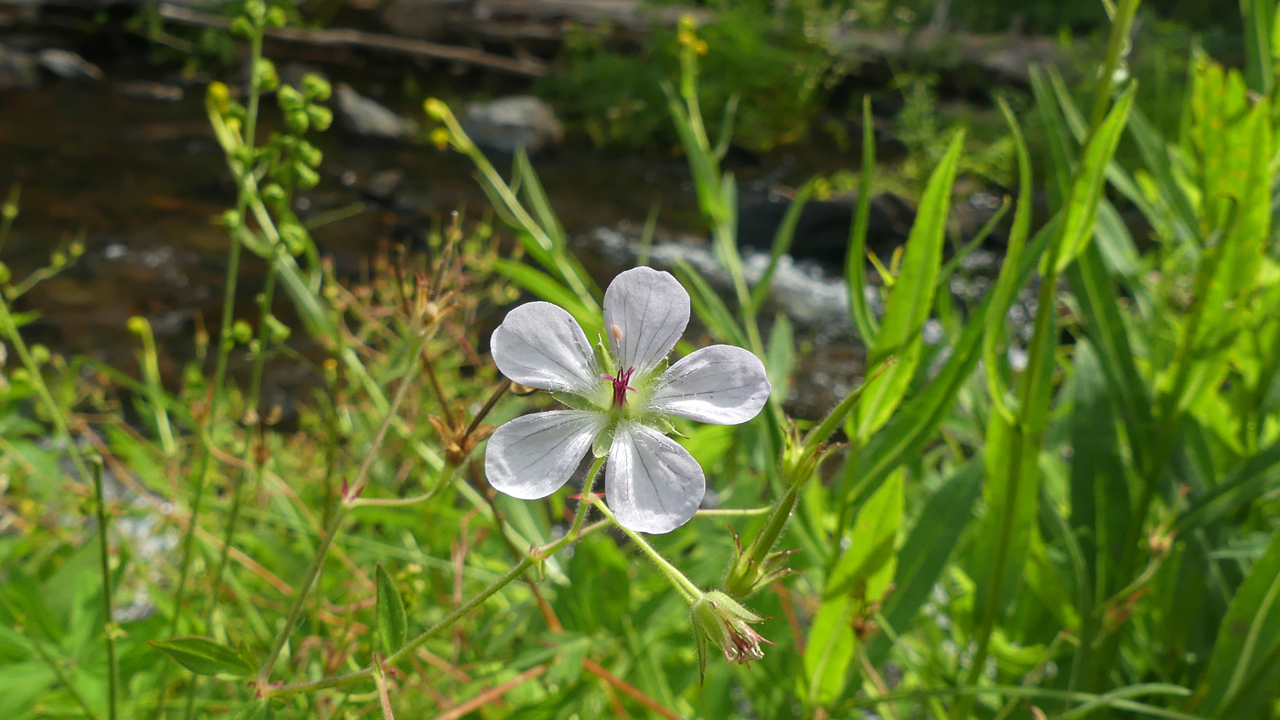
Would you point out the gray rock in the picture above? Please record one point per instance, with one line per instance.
(363, 116)
(66, 64)
(17, 69)
(511, 122)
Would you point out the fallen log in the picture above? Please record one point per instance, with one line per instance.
(525, 66)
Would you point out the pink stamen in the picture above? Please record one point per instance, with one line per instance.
(620, 386)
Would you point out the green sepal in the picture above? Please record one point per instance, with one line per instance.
(604, 440)
(575, 402)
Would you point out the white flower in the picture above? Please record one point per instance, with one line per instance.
(619, 400)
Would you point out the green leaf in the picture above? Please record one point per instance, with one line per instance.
(1259, 64)
(866, 568)
(1007, 284)
(781, 244)
(855, 268)
(909, 301)
(203, 656)
(931, 542)
(829, 651)
(780, 356)
(912, 296)
(393, 627)
(1081, 207)
(1245, 664)
(545, 287)
(1099, 491)
(568, 666)
(708, 306)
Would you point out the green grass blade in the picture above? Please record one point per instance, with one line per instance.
(781, 245)
(855, 258)
(1243, 667)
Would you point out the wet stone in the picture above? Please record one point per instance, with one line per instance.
(512, 122)
(364, 116)
(68, 65)
(17, 69)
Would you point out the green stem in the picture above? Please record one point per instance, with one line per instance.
(339, 514)
(534, 557)
(690, 592)
(220, 369)
(247, 473)
(108, 625)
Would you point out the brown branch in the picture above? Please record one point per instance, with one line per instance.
(627, 688)
(492, 694)
(528, 67)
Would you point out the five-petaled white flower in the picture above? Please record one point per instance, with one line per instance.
(619, 398)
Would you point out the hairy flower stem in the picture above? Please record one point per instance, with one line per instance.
(683, 585)
(340, 513)
(108, 625)
(799, 463)
(220, 369)
(535, 556)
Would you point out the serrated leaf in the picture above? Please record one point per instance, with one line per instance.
(203, 656)
(393, 626)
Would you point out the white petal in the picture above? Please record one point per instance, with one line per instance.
(652, 484)
(720, 384)
(650, 310)
(533, 456)
(540, 345)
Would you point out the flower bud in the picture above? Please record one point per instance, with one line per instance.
(440, 138)
(309, 154)
(718, 619)
(278, 330)
(256, 10)
(315, 87)
(241, 331)
(39, 354)
(297, 121)
(265, 76)
(230, 219)
(5, 274)
(290, 100)
(9, 211)
(276, 17)
(436, 109)
(294, 238)
(242, 27)
(320, 116)
(307, 178)
(273, 194)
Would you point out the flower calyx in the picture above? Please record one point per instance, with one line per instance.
(718, 618)
(459, 439)
(746, 576)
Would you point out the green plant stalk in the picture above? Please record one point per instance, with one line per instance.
(10, 328)
(108, 625)
(1171, 416)
(682, 584)
(150, 367)
(248, 471)
(220, 369)
(797, 471)
(340, 513)
(1043, 340)
(9, 213)
(1121, 24)
(58, 673)
(568, 272)
(533, 558)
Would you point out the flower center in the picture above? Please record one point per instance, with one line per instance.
(620, 386)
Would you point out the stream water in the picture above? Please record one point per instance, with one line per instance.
(131, 166)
